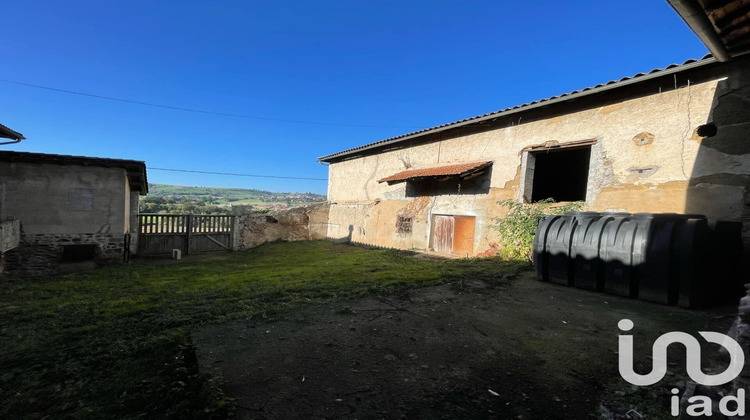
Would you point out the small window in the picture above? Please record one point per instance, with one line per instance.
(561, 175)
(403, 225)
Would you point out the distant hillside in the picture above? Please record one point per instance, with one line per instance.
(180, 199)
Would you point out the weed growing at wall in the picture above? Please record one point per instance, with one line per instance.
(518, 227)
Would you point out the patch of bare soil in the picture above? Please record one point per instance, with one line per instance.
(523, 350)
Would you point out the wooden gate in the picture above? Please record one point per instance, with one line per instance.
(190, 233)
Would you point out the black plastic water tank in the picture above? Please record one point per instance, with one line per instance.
(558, 249)
(689, 261)
(726, 256)
(588, 268)
(664, 257)
(539, 249)
(616, 252)
(652, 260)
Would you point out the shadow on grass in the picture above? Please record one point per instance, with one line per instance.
(116, 342)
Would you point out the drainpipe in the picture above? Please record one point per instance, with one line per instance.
(695, 17)
(14, 141)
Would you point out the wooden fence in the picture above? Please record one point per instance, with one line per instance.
(190, 233)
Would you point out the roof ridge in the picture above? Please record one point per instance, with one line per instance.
(55, 155)
(671, 68)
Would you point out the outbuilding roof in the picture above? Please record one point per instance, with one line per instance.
(612, 84)
(136, 169)
(461, 170)
(7, 133)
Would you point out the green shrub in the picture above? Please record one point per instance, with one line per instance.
(518, 227)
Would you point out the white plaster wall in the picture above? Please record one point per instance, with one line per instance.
(671, 117)
(39, 196)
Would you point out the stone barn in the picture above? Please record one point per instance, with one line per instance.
(675, 139)
(71, 209)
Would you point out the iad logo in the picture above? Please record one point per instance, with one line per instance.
(693, 363)
(702, 404)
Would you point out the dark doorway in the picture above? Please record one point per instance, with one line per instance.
(78, 253)
(561, 175)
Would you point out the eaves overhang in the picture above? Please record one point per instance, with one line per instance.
(722, 25)
(460, 171)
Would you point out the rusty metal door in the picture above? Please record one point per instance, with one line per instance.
(463, 235)
(442, 234)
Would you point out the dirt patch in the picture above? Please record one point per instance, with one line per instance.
(523, 350)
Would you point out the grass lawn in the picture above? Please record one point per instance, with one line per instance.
(116, 342)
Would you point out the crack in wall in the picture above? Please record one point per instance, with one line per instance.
(372, 176)
(106, 227)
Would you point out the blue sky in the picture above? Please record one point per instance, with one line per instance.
(369, 70)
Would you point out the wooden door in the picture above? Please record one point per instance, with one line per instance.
(463, 235)
(442, 234)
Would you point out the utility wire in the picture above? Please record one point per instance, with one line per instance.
(230, 174)
(177, 108)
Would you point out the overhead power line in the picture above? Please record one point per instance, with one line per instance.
(230, 174)
(200, 111)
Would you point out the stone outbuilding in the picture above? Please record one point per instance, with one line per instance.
(70, 208)
(673, 139)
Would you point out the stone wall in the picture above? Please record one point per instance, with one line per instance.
(43, 254)
(303, 223)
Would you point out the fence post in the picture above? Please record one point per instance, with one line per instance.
(231, 226)
(238, 217)
(189, 229)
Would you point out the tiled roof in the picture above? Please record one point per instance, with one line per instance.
(637, 78)
(136, 169)
(460, 170)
